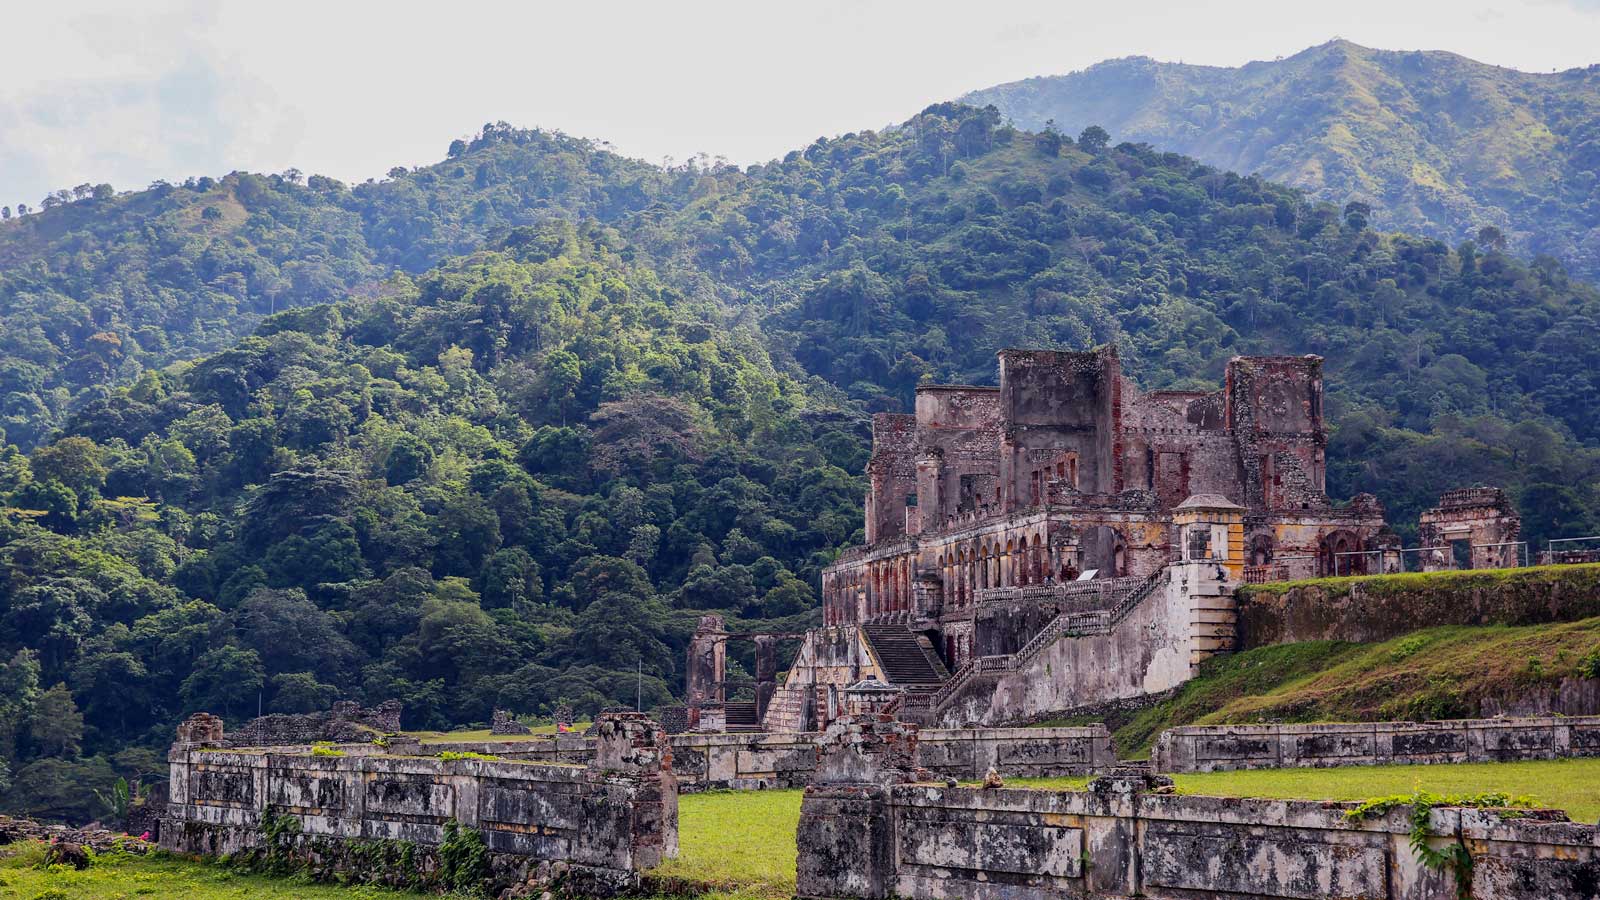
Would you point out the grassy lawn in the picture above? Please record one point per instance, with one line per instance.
(123, 877)
(1569, 784)
(741, 843)
(483, 734)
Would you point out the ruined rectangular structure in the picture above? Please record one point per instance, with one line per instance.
(987, 506)
(608, 820)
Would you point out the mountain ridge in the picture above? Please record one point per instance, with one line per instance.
(1435, 142)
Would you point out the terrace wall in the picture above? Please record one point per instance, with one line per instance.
(1226, 747)
(1381, 607)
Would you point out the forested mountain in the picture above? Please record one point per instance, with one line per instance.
(549, 406)
(1438, 144)
(513, 480)
(95, 290)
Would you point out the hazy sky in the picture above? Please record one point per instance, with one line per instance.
(95, 91)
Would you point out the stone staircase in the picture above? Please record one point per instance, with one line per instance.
(741, 716)
(902, 657)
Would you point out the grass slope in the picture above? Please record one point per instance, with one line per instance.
(1434, 673)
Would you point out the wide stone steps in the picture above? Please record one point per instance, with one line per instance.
(903, 659)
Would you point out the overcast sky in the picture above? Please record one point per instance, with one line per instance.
(94, 91)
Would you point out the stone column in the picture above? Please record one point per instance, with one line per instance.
(633, 765)
(845, 840)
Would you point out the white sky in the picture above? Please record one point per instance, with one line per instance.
(127, 91)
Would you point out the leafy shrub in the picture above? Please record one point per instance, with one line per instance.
(464, 754)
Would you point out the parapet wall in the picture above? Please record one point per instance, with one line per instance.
(869, 829)
(1225, 747)
(764, 761)
(608, 821)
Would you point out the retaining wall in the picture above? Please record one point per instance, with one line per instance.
(1224, 747)
(608, 820)
(1380, 607)
(763, 761)
(866, 832)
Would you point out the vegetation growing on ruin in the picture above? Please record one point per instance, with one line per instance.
(116, 876)
(1434, 673)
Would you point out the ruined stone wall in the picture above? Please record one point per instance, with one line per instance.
(1151, 649)
(345, 723)
(1382, 607)
(958, 447)
(919, 840)
(891, 475)
(1054, 402)
(610, 820)
(874, 826)
(1226, 747)
(765, 761)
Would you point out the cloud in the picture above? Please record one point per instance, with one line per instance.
(149, 103)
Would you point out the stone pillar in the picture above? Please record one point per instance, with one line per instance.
(709, 718)
(845, 841)
(1211, 540)
(632, 752)
(708, 662)
(766, 673)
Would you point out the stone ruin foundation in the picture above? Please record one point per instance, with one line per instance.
(595, 828)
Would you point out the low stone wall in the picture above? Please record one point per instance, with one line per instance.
(1223, 747)
(869, 830)
(1380, 607)
(607, 821)
(764, 761)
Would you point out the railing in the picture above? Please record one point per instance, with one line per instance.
(1094, 622)
(1106, 590)
(1265, 574)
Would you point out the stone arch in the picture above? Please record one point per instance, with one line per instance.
(1334, 557)
(1261, 549)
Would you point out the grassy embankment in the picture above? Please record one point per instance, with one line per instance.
(740, 846)
(1435, 673)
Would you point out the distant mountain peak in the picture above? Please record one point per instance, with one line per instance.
(1437, 143)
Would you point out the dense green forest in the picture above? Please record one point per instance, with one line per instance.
(1437, 143)
(495, 432)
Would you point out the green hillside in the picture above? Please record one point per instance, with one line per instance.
(497, 431)
(1436, 143)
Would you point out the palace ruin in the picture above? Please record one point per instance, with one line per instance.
(1066, 539)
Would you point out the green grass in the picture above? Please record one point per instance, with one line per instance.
(739, 843)
(1569, 784)
(120, 876)
(483, 734)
